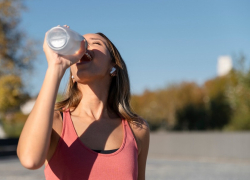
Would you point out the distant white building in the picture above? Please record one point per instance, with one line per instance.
(28, 106)
(224, 65)
(25, 108)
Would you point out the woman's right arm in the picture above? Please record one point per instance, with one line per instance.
(35, 137)
(34, 140)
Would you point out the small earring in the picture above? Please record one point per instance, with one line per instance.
(73, 79)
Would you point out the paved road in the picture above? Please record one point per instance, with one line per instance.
(163, 169)
(157, 169)
(210, 145)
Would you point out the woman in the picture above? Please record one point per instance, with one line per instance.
(92, 133)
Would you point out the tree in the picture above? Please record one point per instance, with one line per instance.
(238, 94)
(217, 104)
(17, 55)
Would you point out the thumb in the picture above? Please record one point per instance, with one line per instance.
(82, 50)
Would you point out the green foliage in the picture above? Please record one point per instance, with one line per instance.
(221, 103)
(17, 57)
(191, 117)
(13, 123)
(159, 108)
(17, 54)
(218, 108)
(145, 105)
(10, 93)
(238, 95)
(13, 129)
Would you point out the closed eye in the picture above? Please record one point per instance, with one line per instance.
(96, 42)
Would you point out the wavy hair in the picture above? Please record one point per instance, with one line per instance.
(119, 91)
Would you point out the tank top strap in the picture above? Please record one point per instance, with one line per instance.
(129, 134)
(68, 132)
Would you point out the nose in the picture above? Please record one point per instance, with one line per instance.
(89, 47)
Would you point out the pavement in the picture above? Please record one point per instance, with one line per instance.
(164, 169)
(228, 146)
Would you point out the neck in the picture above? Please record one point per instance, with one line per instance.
(93, 103)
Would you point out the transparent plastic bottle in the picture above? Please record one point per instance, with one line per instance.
(64, 41)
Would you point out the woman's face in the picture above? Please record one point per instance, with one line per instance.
(96, 63)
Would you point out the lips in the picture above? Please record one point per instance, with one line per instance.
(86, 57)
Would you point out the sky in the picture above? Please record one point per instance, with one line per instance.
(161, 42)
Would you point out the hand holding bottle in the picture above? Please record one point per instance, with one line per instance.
(63, 47)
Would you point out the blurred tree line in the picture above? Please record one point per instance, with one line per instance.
(17, 54)
(221, 103)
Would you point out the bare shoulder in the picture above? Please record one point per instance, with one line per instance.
(141, 131)
(140, 126)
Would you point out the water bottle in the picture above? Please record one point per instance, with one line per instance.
(64, 41)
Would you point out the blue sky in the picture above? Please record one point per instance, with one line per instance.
(162, 42)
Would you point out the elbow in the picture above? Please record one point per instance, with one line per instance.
(28, 162)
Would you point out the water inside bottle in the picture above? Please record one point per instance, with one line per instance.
(58, 38)
(58, 42)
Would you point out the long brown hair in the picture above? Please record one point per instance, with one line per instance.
(119, 90)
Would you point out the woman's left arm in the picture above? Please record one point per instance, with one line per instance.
(143, 136)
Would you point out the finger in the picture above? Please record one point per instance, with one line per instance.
(82, 49)
(44, 41)
(66, 26)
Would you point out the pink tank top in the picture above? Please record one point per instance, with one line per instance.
(73, 160)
